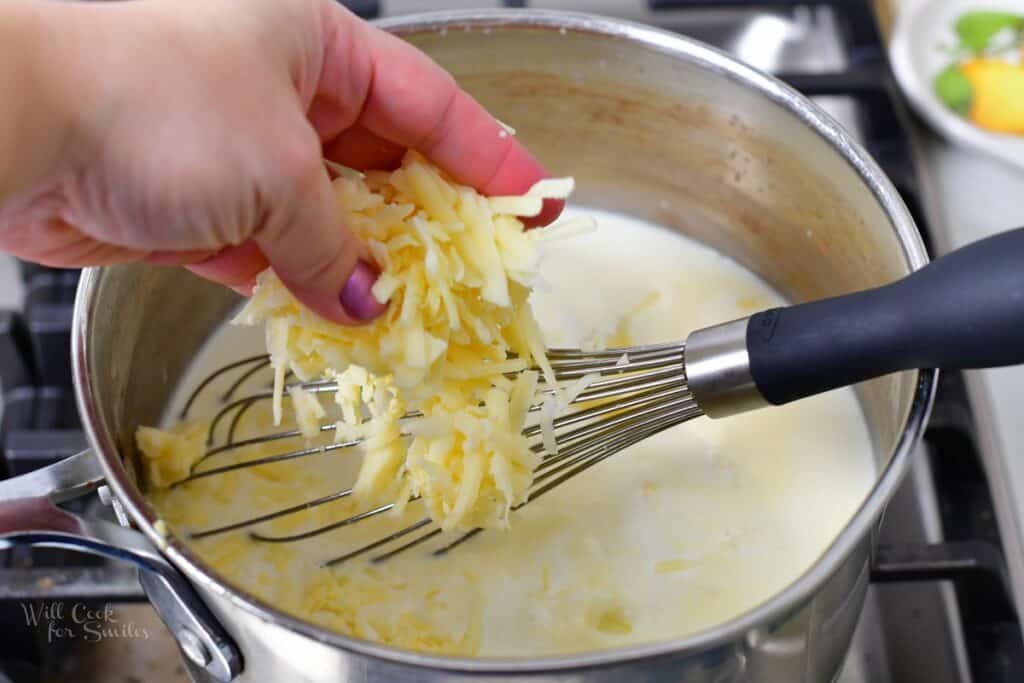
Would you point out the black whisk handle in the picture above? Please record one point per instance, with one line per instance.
(964, 310)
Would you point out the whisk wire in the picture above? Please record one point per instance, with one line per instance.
(308, 505)
(269, 460)
(210, 379)
(638, 392)
(597, 452)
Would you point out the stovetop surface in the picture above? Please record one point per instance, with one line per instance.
(938, 609)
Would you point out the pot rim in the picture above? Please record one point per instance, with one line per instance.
(794, 595)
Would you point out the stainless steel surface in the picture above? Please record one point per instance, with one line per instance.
(718, 370)
(11, 287)
(63, 481)
(193, 647)
(968, 196)
(29, 517)
(909, 632)
(768, 38)
(662, 128)
(115, 582)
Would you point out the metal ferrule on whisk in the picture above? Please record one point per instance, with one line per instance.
(718, 370)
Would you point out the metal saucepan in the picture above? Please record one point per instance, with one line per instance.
(650, 124)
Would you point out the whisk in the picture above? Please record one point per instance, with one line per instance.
(965, 310)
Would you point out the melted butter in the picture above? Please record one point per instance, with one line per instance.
(674, 535)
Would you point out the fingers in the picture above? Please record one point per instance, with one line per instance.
(400, 95)
(178, 258)
(316, 256)
(361, 149)
(52, 242)
(235, 267)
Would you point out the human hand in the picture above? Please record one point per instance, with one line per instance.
(196, 134)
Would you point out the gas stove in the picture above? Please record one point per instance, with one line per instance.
(939, 608)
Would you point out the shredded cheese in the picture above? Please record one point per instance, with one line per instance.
(168, 455)
(525, 206)
(548, 411)
(573, 391)
(456, 271)
(308, 411)
(552, 188)
(343, 170)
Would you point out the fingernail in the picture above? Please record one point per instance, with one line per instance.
(549, 211)
(356, 297)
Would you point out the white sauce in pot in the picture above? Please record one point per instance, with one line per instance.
(677, 534)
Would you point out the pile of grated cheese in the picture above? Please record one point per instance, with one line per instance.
(168, 456)
(456, 268)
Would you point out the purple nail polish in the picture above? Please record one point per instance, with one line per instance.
(356, 297)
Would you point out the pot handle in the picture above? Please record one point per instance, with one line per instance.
(29, 517)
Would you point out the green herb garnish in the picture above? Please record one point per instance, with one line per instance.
(976, 29)
(953, 88)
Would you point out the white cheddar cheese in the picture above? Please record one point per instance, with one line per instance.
(456, 271)
(168, 455)
(308, 411)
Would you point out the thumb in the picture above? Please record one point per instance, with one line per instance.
(317, 257)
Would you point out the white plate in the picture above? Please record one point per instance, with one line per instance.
(916, 51)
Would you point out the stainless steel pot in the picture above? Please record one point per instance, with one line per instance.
(650, 124)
